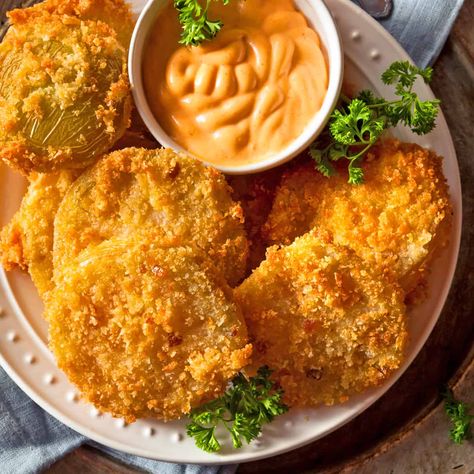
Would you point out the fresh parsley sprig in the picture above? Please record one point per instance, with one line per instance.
(246, 406)
(355, 125)
(195, 23)
(460, 417)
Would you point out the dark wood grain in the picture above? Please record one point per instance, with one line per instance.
(88, 460)
(417, 392)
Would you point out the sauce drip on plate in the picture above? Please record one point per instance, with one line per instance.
(243, 96)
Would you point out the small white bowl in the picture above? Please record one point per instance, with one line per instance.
(317, 15)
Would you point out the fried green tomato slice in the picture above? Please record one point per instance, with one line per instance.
(324, 320)
(115, 13)
(146, 331)
(396, 219)
(26, 242)
(159, 192)
(255, 193)
(64, 92)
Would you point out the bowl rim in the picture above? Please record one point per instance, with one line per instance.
(335, 58)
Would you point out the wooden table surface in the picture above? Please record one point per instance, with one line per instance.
(407, 425)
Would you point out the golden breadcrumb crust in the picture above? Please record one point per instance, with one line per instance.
(324, 320)
(115, 13)
(255, 193)
(395, 220)
(159, 192)
(64, 92)
(26, 242)
(145, 331)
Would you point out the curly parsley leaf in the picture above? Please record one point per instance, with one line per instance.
(369, 97)
(346, 126)
(423, 116)
(404, 73)
(246, 406)
(460, 417)
(355, 125)
(245, 427)
(195, 23)
(356, 174)
(322, 160)
(204, 438)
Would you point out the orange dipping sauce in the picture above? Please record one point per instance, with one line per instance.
(243, 96)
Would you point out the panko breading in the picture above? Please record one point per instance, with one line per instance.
(136, 191)
(296, 204)
(324, 320)
(395, 220)
(26, 242)
(116, 13)
(64, 92)
(145, 331)
(255, 194)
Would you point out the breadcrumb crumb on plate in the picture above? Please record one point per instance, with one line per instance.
(146, 331)
(324, 320)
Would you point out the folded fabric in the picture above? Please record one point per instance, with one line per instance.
(31, 440)
(422, 26)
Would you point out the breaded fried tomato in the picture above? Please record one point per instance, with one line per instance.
(396, 219)
(116, 13)
(157, 192)
(64, 92)
(255, 194)
(324, 320)
(26, 242)
(146, 331)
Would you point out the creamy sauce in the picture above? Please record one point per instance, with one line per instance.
(243, 96)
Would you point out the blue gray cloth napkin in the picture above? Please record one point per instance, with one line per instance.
(31, 440)
(422, 26)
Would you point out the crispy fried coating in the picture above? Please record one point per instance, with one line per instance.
(395, 220)
(145, 331)
(324, 319)
(255, 193)
(296, 204)
(26, 242)
(159, 192)
(64, 92)
(115, 13)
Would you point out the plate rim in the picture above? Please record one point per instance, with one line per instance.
(207, 459)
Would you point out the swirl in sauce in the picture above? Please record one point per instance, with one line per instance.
(243, 96)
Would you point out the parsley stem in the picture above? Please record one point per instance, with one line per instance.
(225, 422)
(354, 158)
(361, 121)
(344, 98)
(385, 104)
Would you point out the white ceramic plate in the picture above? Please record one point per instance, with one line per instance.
(23, 334)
